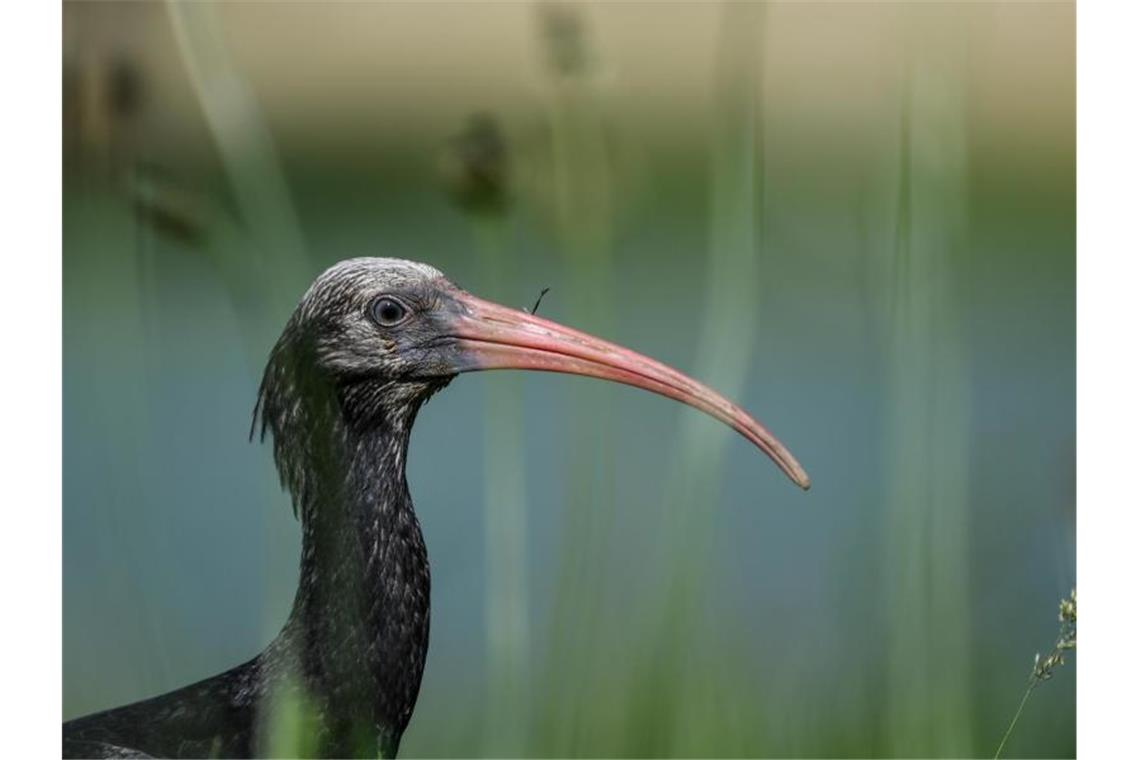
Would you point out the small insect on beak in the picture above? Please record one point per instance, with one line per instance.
(490, 336)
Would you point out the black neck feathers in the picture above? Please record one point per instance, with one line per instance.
(357, 636)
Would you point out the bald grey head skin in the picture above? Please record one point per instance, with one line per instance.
(371, 340)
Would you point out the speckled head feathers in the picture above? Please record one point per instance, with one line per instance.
(348, 282)
(337, 367)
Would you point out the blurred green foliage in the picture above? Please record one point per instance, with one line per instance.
(858, 219)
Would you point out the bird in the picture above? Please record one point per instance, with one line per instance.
(370, 341)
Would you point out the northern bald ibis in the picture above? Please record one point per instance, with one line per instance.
(369, 343)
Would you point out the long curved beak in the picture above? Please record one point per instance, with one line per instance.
(490, 336)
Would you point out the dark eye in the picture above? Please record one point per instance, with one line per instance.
(388, 312)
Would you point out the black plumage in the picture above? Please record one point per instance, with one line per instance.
(368, 344)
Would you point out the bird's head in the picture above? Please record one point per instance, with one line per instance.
(373, 338)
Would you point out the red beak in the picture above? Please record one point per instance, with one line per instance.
(496, 337)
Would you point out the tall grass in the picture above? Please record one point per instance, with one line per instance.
(506, 616)
(673, 690)
(927, 395)
(582, 173)
(273, 268)
(261, 257)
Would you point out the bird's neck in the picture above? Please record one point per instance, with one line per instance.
(359, 626)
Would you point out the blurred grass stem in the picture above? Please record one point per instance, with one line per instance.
(583, 176)
(724, 352)
(928, 422)
(507, 616)
(266, 266)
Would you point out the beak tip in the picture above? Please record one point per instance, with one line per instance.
(490, 336)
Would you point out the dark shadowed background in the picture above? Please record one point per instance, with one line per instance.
(857, 219)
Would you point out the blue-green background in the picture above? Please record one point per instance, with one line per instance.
(867, 211)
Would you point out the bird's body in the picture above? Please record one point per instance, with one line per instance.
(211, 718)
(369, 343)
(357, 636)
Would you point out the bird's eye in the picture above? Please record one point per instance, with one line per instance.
(388, 312)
